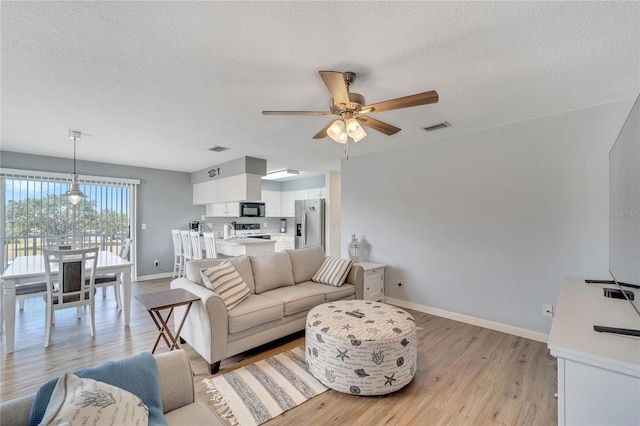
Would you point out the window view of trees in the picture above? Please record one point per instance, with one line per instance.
(37, 210)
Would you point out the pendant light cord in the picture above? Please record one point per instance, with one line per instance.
(74, 155)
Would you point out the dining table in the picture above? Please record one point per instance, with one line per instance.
(31, 269)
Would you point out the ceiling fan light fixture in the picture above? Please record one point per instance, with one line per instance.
(355, 130)
(337, 131)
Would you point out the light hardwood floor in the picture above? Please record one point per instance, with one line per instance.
(466, 374)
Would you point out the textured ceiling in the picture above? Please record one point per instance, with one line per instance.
(155, 84)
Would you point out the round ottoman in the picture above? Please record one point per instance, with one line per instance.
(361, 347)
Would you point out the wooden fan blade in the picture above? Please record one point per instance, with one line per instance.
(334, 80)
(378, 125)
(297, 113)
(424, 98)
(322, 133)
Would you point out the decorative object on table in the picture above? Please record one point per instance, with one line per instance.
(74, 194)
(361, 347)
(259, 392)
(354, 249)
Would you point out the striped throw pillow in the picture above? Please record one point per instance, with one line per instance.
(227, 283)
(333, 271)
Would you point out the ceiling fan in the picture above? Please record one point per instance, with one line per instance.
(351, 108)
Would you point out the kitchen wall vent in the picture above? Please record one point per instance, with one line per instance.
(437, 126)
(218, 148)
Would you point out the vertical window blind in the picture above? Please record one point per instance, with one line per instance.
(35, 207)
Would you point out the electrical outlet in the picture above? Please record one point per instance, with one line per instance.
(156, 262)
(400, 282)
(547, 310)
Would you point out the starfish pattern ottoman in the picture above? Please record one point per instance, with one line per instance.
(361, 347)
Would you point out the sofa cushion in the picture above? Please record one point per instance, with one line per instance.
(80, 401)
(305, 262)
(330, 292)
(296, 299)
(227, 283)
(254, 310)
(333, 271)
(271, 270)
(241, 263)
(137, 374)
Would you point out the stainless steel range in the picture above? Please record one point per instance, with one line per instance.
(251, 230)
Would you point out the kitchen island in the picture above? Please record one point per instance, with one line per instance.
(244, 246)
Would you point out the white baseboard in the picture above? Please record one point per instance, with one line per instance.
(505, 328)
(154, 276)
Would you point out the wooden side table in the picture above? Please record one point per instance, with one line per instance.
(167, 299)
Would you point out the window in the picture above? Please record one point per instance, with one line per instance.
(35, 208)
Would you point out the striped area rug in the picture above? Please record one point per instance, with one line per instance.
(257, 393)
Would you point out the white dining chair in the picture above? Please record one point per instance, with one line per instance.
(210, 245)
(109, 280)
(68, 289)
(186, 246)
(58, 242)
(178, 259)
(196, 247)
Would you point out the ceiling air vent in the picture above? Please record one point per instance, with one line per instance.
(218, 148)
(437, 126)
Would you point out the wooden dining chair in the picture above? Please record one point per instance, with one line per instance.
(69, 289)
(210, 245)
(178, 259)
(108, 280)
(196, 248)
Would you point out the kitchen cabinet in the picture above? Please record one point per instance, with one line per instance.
(373, 288)
(283, 242)
(288, 204)
(233, 188)
(310, 194)
(272, 203)
(315, 193)
(223, 210)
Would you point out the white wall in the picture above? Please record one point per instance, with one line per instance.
(487, 224)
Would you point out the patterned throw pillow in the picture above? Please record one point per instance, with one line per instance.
(77, 401)
(333, 271)
(227, 283)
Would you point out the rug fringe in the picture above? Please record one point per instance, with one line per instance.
(220, 404)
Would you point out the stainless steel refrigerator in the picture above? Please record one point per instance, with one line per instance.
(309, 223)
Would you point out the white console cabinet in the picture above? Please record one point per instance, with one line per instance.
(598, 373)
(373, 281)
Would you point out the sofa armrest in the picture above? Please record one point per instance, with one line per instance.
(16, 411)
(176, 380)
(356, 277)
(206, 327)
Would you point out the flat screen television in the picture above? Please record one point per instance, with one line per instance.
(624, 208)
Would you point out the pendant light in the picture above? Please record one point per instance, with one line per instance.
(74, 194)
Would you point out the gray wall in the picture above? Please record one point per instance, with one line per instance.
(165, 201)
(487, 224)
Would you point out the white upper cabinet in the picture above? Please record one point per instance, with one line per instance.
(223, 209)
(233, 188)
(302, 194)
(288, 204)
(317, 193)
(272, 203)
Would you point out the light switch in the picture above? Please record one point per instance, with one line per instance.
(144, 226)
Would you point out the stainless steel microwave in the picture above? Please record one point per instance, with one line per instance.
(251, 209)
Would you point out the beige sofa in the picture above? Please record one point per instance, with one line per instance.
(281, 295)
(176, 391)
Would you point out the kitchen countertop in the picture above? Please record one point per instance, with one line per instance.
(244, 241)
